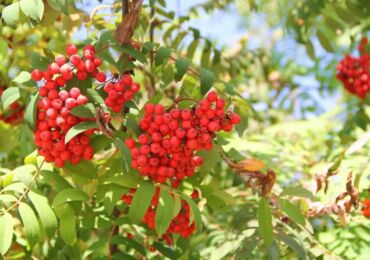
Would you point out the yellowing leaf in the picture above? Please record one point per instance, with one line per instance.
(251, 164)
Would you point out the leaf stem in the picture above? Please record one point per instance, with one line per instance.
(38, 170)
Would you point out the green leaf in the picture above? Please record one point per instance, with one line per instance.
(310, 50)
(216, 203)
(119, 240)
(68, 195)
(141, 202)
(99, 142)
(162, 55)
(3, 48)
(107, 56)
(10, 13)
(292, 211)
(195, 212)
(177, 205)
(33, 8)
(38, 61)
(84, 169)
(297, 191)
(246, 248)
(206, 80)
(5, 198)
(127, 180)
(273, 251)
(131, 51)
(44, 211)
(30, 113)
(324, 41)
(84, 111)
(121, 255)
(292, 243)
(59, 5)
(67, 224)
(6, 232)
(164, 213)
(31, 225)
(192, 48)
(23, 77)
(166, 251)
(94, 95)
(125, 155)
(182, 66)
(80, 128)
(9, 96)
(49, 54)
(265, 221)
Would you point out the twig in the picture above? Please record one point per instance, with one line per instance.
(115, 229)
(99, 8)
(152, 24)
(38, 170)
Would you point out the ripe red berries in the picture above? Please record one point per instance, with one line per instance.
(120, 92)
(354, 72)
(366, 208)
(54, 119)
(166, 149)
(179, 225)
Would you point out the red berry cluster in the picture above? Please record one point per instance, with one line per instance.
(14, 114)
(366, 208)
(354, 72)
(179, 225)
(166, 148)
(54, 119)
(64, 69)
(120, 92)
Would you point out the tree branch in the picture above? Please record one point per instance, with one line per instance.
(125, 8)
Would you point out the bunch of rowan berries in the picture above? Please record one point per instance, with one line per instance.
(179, 225)
(120, 92)
(366, 208)
(166, 148)
(354, 72)
(14, 114)
(54, 118)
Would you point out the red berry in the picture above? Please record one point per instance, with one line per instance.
(36, 75)
(71, 49)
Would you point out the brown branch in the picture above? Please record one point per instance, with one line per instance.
(125, 8)
(126, 28)
(103, 126)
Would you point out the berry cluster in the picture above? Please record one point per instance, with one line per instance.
(366, 208)
(53, 122)
(179, 225)
(120, 92)
(354, 72)
(166, 148)
(14, 114)
(65, 68)
(54, 119)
